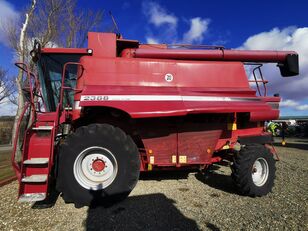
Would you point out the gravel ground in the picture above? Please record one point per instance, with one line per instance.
(173, 201)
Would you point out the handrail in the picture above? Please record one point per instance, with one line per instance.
(256, 80)
(14, 164)
(24, 67)
(258, 67)
(25, 70)
(63, 79)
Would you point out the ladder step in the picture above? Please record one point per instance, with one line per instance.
(37, 161)
(47, 128)
(35, 178)
(30, 197)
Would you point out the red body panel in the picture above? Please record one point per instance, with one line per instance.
(201, 87)
(163, 148)
(198, 146)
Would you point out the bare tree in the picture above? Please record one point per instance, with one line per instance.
(53, 23)
(62, 23)
(6, 87)
(21, 48)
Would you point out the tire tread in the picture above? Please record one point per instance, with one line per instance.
(241, 170)
(111, 134)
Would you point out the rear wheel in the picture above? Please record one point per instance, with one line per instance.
(97, 164)
(253, 170)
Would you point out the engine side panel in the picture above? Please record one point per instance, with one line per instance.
(155, 88)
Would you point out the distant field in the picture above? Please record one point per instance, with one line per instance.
(6, 169)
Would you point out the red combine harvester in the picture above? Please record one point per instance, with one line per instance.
(97, 117)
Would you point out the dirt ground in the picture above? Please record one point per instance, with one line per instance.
(181, 201)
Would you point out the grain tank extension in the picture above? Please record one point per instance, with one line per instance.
(96, 117)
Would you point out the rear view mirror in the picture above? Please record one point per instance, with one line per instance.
(290, 67)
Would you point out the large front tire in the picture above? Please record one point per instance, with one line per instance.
(253, 170)
(97, 164)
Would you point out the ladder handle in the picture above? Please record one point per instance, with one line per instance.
(14, 163)
(63, 79)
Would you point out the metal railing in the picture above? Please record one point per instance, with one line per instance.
(34, 87)
(63, 81)
(258, 81)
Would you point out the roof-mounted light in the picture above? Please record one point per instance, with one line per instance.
(90, 51)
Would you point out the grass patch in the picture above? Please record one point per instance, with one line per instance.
(5, 160)
(6, 173)
(5, 156)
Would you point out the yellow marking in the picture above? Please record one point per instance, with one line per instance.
(174, 159)
(183, 159)
(208, 150)
(232, 126)
(150, 167)
(151, 159)
(150, 151)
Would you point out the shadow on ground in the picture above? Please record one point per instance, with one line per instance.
(218, 181)
(47, 203)
(165, 175)
(145, 212)
(213, 179)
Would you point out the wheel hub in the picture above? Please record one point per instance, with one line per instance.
(95, 168)
(98, 165)
(260, 172)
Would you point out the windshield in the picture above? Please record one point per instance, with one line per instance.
(50, 68)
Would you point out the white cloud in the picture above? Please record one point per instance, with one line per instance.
(198, 27)
(271, 40)
(158, 15)
(8, 15)
(166, 23)
(151, 40)
(290, 38)
(161, 23)
(302, 107)
(289, 103)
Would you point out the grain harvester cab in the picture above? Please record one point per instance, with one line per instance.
(48, 97)
(101, 114)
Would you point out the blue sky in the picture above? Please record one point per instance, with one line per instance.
(246, 24)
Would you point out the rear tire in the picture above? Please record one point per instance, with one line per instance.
(98, 164)
(253, 170)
